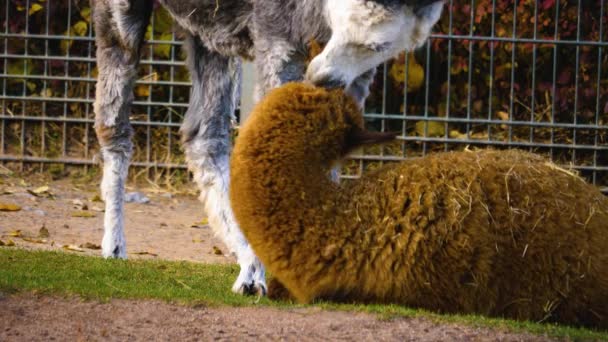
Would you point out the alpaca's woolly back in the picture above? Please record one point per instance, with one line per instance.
(493, 232)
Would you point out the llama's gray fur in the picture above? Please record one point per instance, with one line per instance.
(220, 33)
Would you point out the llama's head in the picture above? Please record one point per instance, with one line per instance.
(366, 33)
(309, 123)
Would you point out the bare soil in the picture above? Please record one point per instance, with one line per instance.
(168, 227)
(27, 318)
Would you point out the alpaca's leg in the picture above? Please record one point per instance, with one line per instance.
(206, 135)
(120, 27)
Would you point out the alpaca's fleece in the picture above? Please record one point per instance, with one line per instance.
(502, 233)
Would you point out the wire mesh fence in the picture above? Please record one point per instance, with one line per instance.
(500, 73)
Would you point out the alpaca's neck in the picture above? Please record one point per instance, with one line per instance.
(296, 184)
(280, 200)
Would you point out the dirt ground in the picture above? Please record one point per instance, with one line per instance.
(49, 318)
(169, 227)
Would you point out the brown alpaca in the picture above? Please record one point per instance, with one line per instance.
(500, 233)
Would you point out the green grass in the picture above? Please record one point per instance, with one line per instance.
(186, 283)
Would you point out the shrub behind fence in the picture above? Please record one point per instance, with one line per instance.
(502, 73)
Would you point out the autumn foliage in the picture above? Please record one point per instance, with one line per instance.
(497, 61)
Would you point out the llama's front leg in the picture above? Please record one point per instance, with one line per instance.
(206, 136)
(277, 62)
(120, 27)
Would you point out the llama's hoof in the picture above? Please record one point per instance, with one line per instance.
(110, 248)
(251, 289)
(116, 253)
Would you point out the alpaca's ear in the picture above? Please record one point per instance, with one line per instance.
(359, 137)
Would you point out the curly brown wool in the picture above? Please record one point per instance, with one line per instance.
(499, 233)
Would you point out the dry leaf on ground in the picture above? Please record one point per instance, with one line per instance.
(33, 240)
(9, 207)
(6, 192)
(217, 251)
(15, 233)
(83, 213)
(202, 223)
(89, 245)
(144, 253)
(43, 191)
(73, 248)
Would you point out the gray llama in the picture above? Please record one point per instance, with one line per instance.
(359, 35)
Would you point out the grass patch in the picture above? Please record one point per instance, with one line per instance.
(187, 283)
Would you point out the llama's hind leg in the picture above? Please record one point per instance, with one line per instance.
(120, 26)
(206, 135)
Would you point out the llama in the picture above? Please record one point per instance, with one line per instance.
(500, 233)
(218, 35)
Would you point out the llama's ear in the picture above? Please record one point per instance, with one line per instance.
(359, 137)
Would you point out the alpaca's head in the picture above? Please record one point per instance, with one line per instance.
(366, 33)
(309, 122)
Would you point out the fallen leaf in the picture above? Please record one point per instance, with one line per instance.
(89, 245)
(43, 232)
(434, 129)
(73, 248)
(198, 240)
(35, 8)
(83, 213)
(217, 251)
(96, 198)
(15, 233)
(200, 224)
(33, 240)
(9, 207)
(456, 134)
(10, 243)
(502, 115)
(41, 190)
(414, 71)
(144, 253)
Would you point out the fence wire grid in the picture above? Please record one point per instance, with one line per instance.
(501, 73)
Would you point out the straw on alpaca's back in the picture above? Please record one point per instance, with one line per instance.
(501, 233)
